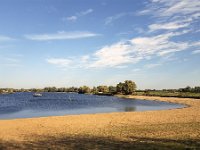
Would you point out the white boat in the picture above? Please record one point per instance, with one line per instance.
(37, 94)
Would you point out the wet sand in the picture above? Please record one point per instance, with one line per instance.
(177, 127)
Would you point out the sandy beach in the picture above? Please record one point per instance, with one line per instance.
(177, 128)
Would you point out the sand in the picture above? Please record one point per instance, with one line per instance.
(176, 124)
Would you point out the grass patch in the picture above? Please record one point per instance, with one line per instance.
(168, 94)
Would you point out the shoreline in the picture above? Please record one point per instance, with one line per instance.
(182, 124)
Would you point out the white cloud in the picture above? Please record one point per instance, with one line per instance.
(70, 62)
(173, 17)
(149, 66)
(71, 18)
(111, 19)
(61, 36)
(172, 7)
(119, 55)
(172, 14)
(59, 62)
(184, 7)
(136, 49)
(196, 52)
(167, 26)
(83, 13)
(113, 56)
(160, 44)
(77, 15)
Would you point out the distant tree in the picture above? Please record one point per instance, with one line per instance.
(10, 90)
(94, 90)
(128, 87)
(119, 87)
(188, 89)
(112, 89)
(62, 89)
(197, 89)
(72, 89)
(50, 89)
(103, 89)
(84, 89)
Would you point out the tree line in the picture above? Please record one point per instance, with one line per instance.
(195, 89)
(126, 87)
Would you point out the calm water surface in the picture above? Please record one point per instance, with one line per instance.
(24, 105)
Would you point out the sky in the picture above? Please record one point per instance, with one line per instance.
(64, 43)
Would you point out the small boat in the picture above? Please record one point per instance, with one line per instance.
(37, 94)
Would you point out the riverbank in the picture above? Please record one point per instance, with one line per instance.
(166, 129)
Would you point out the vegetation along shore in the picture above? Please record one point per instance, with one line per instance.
(126, 87)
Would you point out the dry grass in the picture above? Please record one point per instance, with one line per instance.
(166, 129)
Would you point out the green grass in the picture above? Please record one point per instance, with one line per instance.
(168, 94)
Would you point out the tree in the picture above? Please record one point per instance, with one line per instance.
(119, 87)
(84, 89)
(103, 89)
(94, 90)
(50, 89)
(128, 87)
(112, 89)
(197, 89)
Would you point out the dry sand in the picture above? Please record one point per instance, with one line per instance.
(177, 124)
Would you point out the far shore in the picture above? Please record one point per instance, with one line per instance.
(176, 128)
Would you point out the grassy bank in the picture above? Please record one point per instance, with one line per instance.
(168, 94)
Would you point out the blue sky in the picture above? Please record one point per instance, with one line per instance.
(63, 43)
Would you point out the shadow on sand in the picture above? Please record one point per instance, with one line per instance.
(100, 143)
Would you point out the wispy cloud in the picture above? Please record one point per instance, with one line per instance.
(61, 36)
(137, 49)
(120, 54)
(172, 14)
(70, 62)
(77, 15)
(167, 26)
(59, 62)
(170, 8)
(111, 19)
(113, 56)
(172, 18)
(150, 66)
(71, 18)
(10, 61)
(196, 44)
(196, 52)
(5, 38)
(83, 13)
